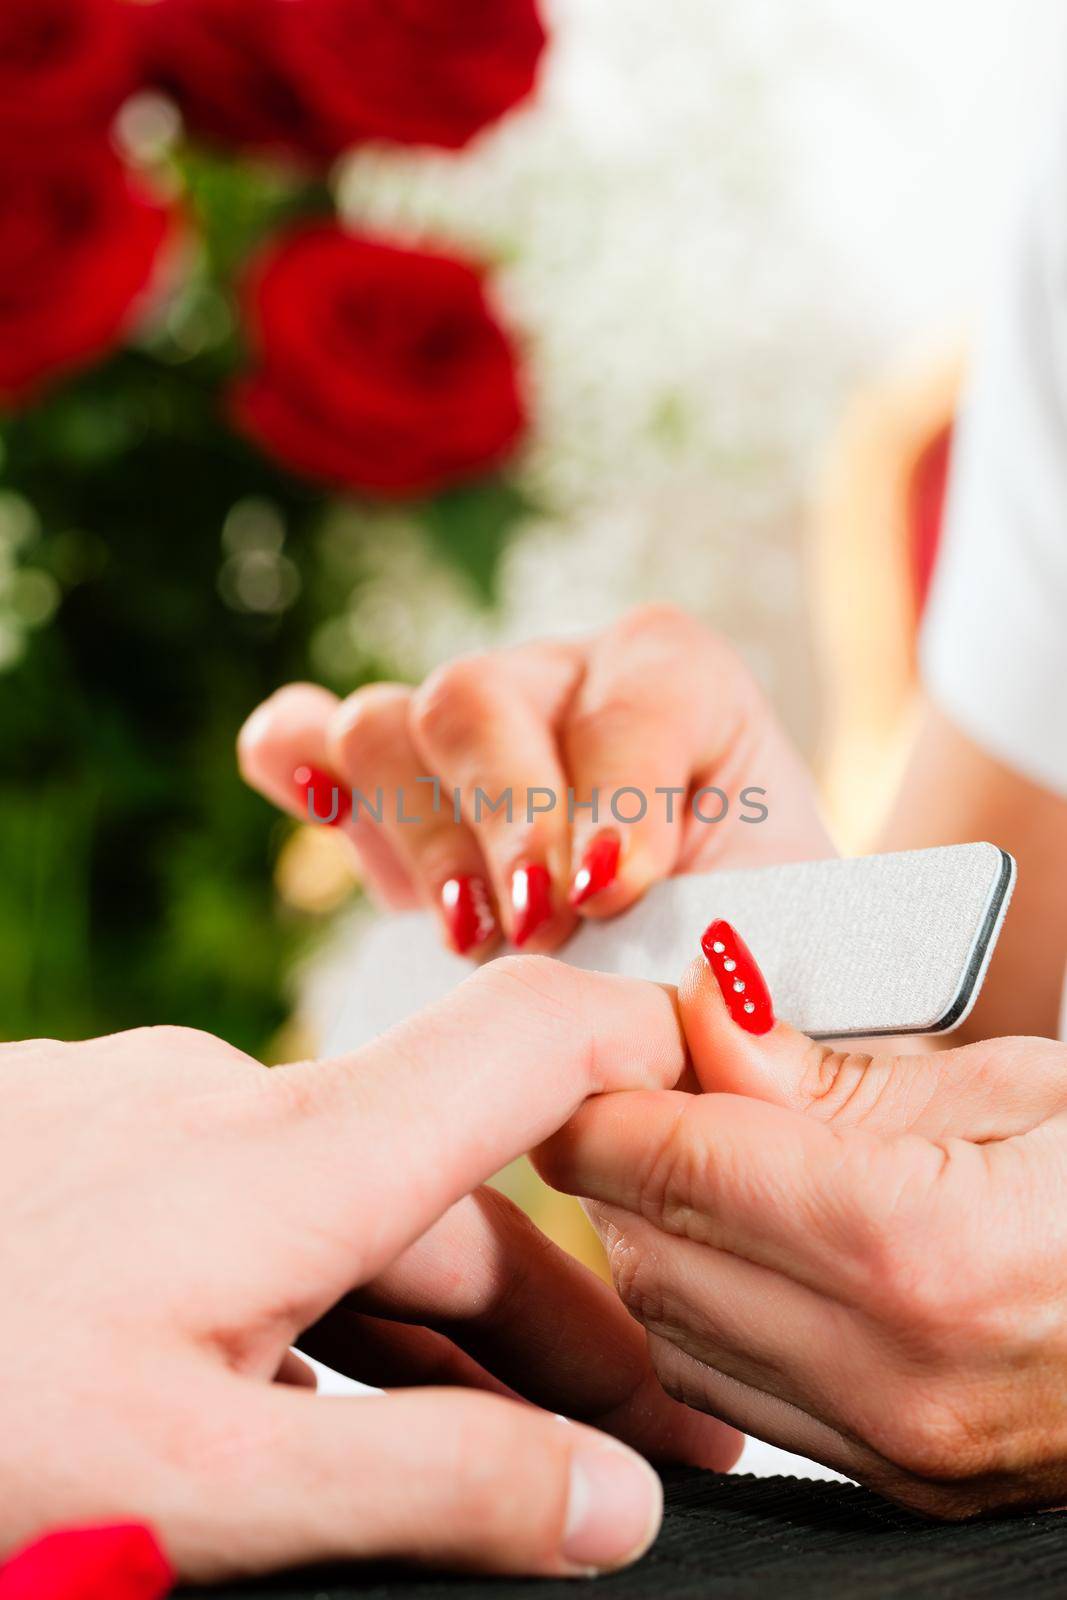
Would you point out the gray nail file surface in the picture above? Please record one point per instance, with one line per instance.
(878, 944)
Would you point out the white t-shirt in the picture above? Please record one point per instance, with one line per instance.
(994, 647)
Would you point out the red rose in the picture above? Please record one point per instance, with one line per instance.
(418, 71)
(380, 368)
(312, 77)
(78, 243)
(65, 65)
(223, 63)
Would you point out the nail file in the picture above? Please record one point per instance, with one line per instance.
(879, 944)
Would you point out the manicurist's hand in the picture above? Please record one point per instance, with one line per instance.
(175, 1217)
(655, 718)
(860, 1259)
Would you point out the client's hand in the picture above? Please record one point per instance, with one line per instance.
(868, 1267)
(655, 718)
(175, 1217)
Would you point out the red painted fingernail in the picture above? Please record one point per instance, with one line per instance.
(747, 996)
(600, 863)
(324, 799)
(468, 911)
(123, 1562)
(531, 901)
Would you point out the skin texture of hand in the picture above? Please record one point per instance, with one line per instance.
(858, 1258)
(654, 702)
(176, 1217)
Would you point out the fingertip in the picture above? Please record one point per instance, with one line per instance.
(538, 918)
(697, 986)
(611, 874)
(725, 1057)
(734, 1051)
(701, 1006)
(741, 983)
(255, 728)
(609, 902)
(550, 938)
(279, 735)
(255, 745)
(290, 710)
(596, 869)
(670, 1432)
(614, 1506)
(469, 923)
(698, 1440)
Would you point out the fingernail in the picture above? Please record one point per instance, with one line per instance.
(324, 799)
(600, 863)
(531, 901)
(121, 1559)
(468, 911)
(613, 1510)
(747, 996)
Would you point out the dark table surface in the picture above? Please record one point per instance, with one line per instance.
(736, 1538)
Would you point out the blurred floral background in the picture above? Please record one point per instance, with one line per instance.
(337, 336)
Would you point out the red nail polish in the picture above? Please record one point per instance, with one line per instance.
(531, 900)
(468, 911)
(600, 863)
(747, 997)
(123, 1561)
(324, 799)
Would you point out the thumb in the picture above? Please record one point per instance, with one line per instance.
(442, 1477)
(989, 1090)
(439, 1104)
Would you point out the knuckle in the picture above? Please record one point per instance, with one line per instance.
(990, 1318)
(679, 1383)
(947, 1313)
(637, 668)
(294, 1091)
(936, 1314)
(369, 724)
(507, 1218)
(674, 1380)
(526, 1251)
(634, 1276)
(481, 1486)
(930, 1435)
(682, 1377)
(433, 847)
(661, 618)
(936, 1501)
(444, 708)
(929, 1278)
(602, 720)
(843, 1086)
(677, 1169)
(180, 1061)
(478, 1447)
(536, 983)
(908, 1288)
(550, 996)
(664, 626)
(166, 1037)
(19, 1049)
(890, 1226)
